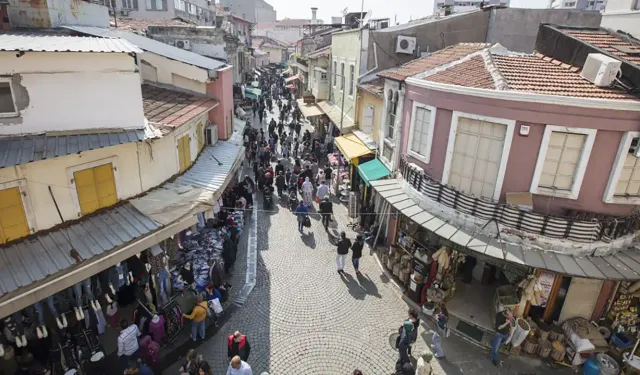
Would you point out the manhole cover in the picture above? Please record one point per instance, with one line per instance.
(392, 340)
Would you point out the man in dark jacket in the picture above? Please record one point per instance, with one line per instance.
(356, 253)
(343, 249)
(326, 210)
(228, 255)
(238, 345)
(280, 182)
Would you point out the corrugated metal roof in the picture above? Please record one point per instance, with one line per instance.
(63, 43)
(22, 149)
(206, 173)
(32, 260)
(624, 265)
(152, 46)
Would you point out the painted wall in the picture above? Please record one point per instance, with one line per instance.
(345, 48)
(53, 13)
(113, 75)
(206, 41)
(222, 89)
(365, 99)
(276, 55)
(156, 68)
(319, 87)
(289, 35)
(139, 167)
(626, 20)
(524, 150)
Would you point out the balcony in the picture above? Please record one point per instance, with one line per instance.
(579, 227)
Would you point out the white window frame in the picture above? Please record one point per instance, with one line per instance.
(616, 171)
(352, 80)
(580, 170)
(13, 98)
(388, 163)
(92, 164)
(508, 138)
(21, 184)
(427, 157)
(343, 79)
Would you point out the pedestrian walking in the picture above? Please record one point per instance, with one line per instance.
(323, 191)
(356, 251)
(307, 191)
(191, 363)
(357, 372)
(128, 343)
(302, 213)
(403, 342)
(280, 183)
(503, 326)
(441, 327)
(197, 317)
(326, 210)
(343, 249)
(205, 369)
(238, 345)
(239, 367)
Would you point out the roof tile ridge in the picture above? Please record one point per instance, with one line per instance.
(499, 81)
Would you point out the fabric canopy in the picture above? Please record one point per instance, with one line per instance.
(292, 78)
(351, 146)
(335, 114)
(372, 170)
(252, 93)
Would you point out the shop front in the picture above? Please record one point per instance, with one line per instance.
(252, 93)
(71, 286)
(554, 295)
(313, 114)
(351, 151)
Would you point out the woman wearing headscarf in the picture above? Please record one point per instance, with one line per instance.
(307, 192)
(320, 177)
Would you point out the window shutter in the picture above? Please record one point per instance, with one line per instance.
(135, 4)
(164, 5)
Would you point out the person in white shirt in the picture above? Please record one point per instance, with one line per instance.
(128, 343)
(239, 367)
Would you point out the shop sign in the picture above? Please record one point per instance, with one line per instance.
(546, 283)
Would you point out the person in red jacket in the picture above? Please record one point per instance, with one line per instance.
(238, 346)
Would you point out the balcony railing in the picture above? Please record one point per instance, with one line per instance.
(579, 230)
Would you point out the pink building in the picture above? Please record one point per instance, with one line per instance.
(221, 88)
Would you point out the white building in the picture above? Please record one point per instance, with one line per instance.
(596, 5)
(461, 6)
(69, 157)
(255, 11)
(622, 15)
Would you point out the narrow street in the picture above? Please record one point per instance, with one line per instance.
(302, 317)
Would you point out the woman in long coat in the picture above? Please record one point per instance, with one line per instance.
(307, 192)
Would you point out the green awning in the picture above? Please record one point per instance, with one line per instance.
(372, 170)
(252, 93)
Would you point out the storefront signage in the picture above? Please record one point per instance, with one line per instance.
(309, 99)
(546, 283)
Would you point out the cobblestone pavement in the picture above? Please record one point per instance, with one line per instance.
(302, 317)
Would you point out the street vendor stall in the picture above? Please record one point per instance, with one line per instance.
(252, 93)
(354, 152)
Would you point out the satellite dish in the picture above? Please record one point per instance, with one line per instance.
(367, 18)
(345, 11)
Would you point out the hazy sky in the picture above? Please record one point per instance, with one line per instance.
(402, 9)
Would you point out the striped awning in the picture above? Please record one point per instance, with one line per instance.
(624, 265)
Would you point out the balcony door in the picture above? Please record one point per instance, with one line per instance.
(477, 156)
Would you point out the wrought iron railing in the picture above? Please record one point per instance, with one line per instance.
(579, 230)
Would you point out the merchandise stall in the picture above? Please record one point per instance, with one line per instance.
(354, 152)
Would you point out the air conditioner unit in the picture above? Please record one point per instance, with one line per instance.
(124, 12)
(184, 44)
(600, 70)
(111, 12)
(405, 44)
(211, 134)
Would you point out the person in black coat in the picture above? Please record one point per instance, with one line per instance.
(356, 251)
(343, 249)
(228, 255)
(280, 183)
(326, 210)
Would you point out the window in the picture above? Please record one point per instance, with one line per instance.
(13, 219)
(7, 105)
(352, 70)
(629, 182)
(184, 153)
(421, 131)
(562, 161)
(162, 4)
(323, 76)
(342, 77)
(130, 4)
(335, 72)
(387, 152)
(96, 188)
(392, 106)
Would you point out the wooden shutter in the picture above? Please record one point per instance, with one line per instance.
(200, 136)
(184, 153)
(96, 188)
(367, 121)
(13, 220)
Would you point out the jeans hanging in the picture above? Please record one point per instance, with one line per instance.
(51, 302)
(102, 322)
(164, 286)
(36, 310)
(86, 286)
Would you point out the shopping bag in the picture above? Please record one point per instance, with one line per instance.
(307, 222)
(215, 305)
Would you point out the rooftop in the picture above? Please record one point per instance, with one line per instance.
(141, 24)
(613, 43)
(374, 87)
(498, 69)
(324, 51)
(433, 60)
(172, 109)
(60, 43)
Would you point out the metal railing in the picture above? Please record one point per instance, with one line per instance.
(575, 229)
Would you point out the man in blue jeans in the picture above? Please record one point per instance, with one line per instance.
(301, 212)
(504, 323)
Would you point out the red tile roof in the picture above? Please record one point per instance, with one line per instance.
(438, 58)
(375, 87)
(537, 74)
(471, 73)
(142, 24)
(606, 41)
(172, 109)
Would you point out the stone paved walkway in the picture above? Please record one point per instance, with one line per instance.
(302, 317)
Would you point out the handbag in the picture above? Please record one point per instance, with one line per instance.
(307, 222)
(215, 305)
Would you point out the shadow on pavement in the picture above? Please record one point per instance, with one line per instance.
(309, 239)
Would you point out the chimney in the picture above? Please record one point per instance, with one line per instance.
(314, 14)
